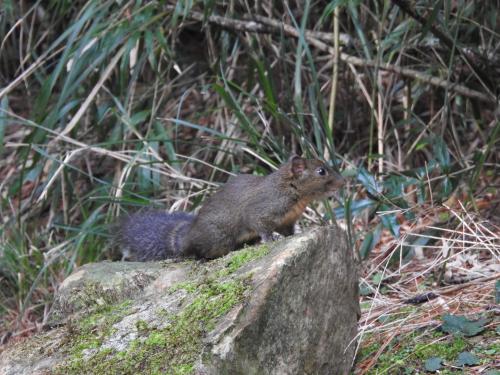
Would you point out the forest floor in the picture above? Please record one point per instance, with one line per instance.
(435, 307)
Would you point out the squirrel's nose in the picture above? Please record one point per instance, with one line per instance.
(339, 180)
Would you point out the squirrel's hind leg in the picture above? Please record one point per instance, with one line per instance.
(286, 230)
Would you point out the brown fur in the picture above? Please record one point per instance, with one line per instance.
(295, 212)
(248, 207)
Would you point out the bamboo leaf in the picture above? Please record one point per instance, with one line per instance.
(4, 106)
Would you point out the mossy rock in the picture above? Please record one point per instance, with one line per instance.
(290, 307)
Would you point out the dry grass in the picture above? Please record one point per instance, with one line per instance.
(454, 272)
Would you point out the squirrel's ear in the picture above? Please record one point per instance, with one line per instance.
(297, 165)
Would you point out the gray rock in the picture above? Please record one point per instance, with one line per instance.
(100, 284)
(290, 307)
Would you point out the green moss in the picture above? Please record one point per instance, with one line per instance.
(94, 298)
(183, 369)
(246, 255)
(365, 305)
(407, 353)
(446, 349)
(175, 348)
(239, 258)
(189, 287)
(368, 351)
(141, 326)
(495, 347)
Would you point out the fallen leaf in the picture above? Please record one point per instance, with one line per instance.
(466, 359)
(433, 364)
(460, 325)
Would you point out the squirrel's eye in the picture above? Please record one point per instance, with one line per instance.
(321, 171)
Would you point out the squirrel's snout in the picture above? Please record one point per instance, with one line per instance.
(337, 181)
(341, 181)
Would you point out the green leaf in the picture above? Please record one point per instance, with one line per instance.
(367, 245)
(355, 208)
(369, 182)
(370, 241)
(360, 30)
(430, 19)
(421, 145)
(390, 222)
(139, 117)
(441, 152)
(497, 292)
(492, 351)
(364, 289)
(265, 80)
(466, 359)
(332, 5)
(444, 216)
(433, 364)
(460, 325)
(393, 39)
(4, 106)
(150, 49)
(233, 103)
(377, 278)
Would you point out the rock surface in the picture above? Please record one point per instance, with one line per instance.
(290, 307)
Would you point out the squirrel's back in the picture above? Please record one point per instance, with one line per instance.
(245, 209)
(153, 235)
(250, 207)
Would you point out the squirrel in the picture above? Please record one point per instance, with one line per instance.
(153, 235)
(243, 210)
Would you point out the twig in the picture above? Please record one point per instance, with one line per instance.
(260, 24)
(335, 72)
(446, 40)
(344, 39)
(454, 288)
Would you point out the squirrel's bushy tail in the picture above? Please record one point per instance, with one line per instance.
(153, 235)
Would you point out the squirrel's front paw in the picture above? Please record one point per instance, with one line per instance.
(269, 237)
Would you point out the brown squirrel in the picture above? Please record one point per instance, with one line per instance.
(245, 209)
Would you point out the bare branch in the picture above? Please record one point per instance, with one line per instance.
(260, 24)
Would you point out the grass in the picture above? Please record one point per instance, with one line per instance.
(111, 106)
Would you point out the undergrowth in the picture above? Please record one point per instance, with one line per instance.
(110, 106)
